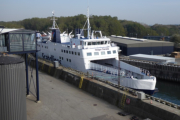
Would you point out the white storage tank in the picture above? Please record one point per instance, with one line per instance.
(12, 88)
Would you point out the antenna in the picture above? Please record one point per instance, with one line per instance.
(88, 24)
(54, 21)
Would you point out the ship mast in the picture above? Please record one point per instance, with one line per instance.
(88, 24)
(54, 22)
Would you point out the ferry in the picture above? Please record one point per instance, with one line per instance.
(94, 52)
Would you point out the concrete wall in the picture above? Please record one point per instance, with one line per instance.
(165, 72)
(142, 108)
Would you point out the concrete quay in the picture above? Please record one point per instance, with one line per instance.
(146, 108)
(60, 100)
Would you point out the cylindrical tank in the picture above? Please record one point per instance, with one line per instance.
(12, 88)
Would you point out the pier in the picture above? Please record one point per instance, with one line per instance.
(150, 107)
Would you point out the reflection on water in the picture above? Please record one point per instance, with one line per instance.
(168, 91)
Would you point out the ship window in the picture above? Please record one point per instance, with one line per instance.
(66, 51)
(69, 60)
(102, 42)
(69, 52)
(89, 43)
(114, 51)
(72, 52)
(105, 42)
(54, 49)
(108, 52)
(59, 57)
(93, 43)
(98, 43)
(96, 53)
(62, 58)
(75, 53)
(89, 54)
(102, 52)
(61, 50)
(85, 43)
(79, 53)
(108, 42)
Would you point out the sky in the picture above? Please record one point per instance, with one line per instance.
(143, 11)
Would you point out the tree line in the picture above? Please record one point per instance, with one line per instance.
(107, 24)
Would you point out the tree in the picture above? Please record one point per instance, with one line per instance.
(176, 39)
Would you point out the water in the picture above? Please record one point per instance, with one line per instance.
(167, 90)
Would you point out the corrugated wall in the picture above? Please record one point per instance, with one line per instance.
(148, 50)
(12, 92)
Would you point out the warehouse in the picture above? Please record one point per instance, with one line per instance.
(130, 46)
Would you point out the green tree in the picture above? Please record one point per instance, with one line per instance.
(176, 39)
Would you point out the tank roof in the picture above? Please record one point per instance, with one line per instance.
(6, 60)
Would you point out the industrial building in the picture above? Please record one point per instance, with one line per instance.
(130, 46)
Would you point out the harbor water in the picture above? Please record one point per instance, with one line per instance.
(167, 90)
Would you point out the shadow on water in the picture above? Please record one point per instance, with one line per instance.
(168, 91)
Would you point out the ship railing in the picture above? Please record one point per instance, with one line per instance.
(101, 68)
(115, 70)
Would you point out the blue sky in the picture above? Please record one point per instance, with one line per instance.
(144, 11)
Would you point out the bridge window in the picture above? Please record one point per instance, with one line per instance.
(102, 42)
(69, 52)
(102, 52)
(114, 51)
(75, 53)
(89, 54)
(105, 42)
(96, 53)
(85, 43)
(79, 53)
(66, 51)
(93, 43)
(89, 43)
(72, 52)
(108, 52)
(98, 43)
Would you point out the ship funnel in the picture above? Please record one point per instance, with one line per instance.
(56, 36)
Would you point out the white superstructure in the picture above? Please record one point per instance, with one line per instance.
(95, 52)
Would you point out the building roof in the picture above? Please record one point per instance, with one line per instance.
(5, 30)
(152, 57)
(132, 42)
(9, 30)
